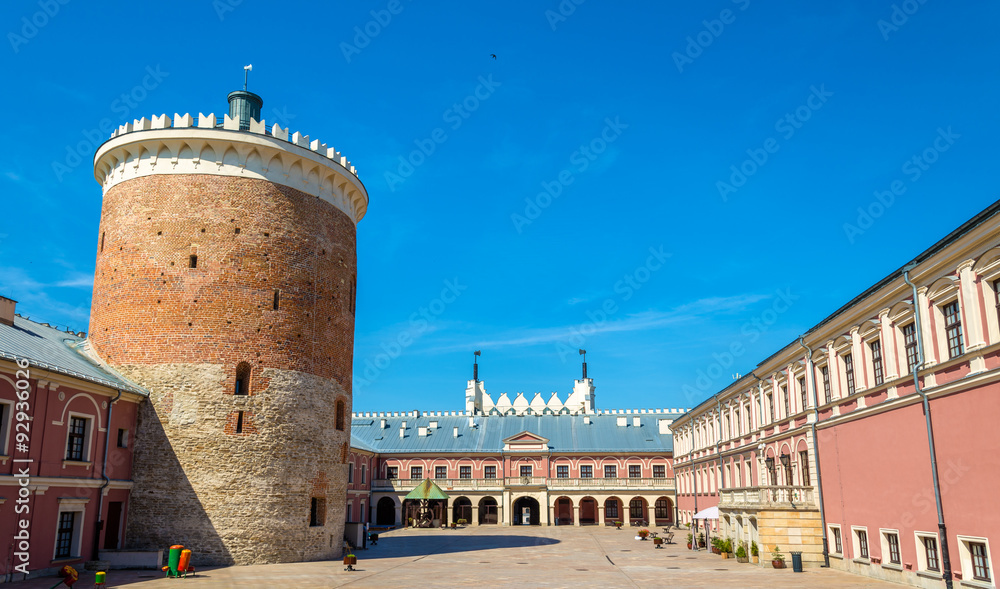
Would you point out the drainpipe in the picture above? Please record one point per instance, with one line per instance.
(942, 530)
(810, 374)
(104, 475)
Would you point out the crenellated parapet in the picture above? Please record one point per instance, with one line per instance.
(189, 145)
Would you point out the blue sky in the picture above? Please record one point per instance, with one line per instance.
(650, 181)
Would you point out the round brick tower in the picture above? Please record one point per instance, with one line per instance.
(225, 284)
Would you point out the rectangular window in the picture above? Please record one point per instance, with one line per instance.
(193, 261)
(122, 435)
(827, 394)
(659, 471)
(465, 472)
(980, 562)
(526, 470)
(489, 472)
(802, 393)
(661, 509)
(636, 509)
(862, 543)
(910, 344)
(350, 472)
(586, 471)
(416, 472)
(364, 467)
(634, 471)
(77, 439)
(440, 472)
(892, 541)
(392, 472)
(876, 348)
(849, 372)
(953, 329)
(562, 472)
(996, 296)
(5, 413)
(239, 422)
(770, 404)
(838, 542)
(804, 467)
(611, 509)
(784, 399)
(64, 536)
(931, 553)
(317, 512)
(610, 471)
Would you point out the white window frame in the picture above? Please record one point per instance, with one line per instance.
(918, 538)
(77, 505)
(832, 541)
(5, 424)
(886, 553)
(87, 436)
(942, 300)
(965, 556)
(856, 544)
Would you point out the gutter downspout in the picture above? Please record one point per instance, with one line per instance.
(942, 530)
(810, 373)
(104, 475)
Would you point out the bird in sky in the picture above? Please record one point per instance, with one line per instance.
(493, 55)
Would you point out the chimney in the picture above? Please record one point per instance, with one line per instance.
(422, 432)
(586, 420)
(7, 311)
(382, 424)
(636, 422)
(472, 422)
(622, 422)
(433, 425)
(454, 432)
(403, 425)
(402, 432)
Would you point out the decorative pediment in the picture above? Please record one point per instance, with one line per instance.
(525, 442)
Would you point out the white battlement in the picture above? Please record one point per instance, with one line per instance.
(210, 121)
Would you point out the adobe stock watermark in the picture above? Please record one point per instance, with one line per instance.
(581, 159)
(22, 468)
(711, 30)
(625, 289)
(419, 322)
(124, 105)
(787, 126)
(722, 362)
(224, 7)
(363, 35)
(899, 16)
(564, 10)
(31, 25)
(455, 116)
(913, 168)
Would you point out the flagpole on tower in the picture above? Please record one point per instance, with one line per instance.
(246, 71)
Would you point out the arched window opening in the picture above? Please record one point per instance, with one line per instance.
(242, 386)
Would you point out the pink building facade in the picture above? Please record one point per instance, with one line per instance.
(66, 437)
(826, 442)
(519, 462)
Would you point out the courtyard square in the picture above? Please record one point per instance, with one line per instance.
(492, 556)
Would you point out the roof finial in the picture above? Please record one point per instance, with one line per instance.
(584, 354)
(246, 71)
(475, 365)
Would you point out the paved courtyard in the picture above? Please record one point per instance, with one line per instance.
(501, 557)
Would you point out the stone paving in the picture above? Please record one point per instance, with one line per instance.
(527, 556)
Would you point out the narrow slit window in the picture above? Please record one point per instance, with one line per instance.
(277, 297)
(239, 422)
(102, 241)
(193, 262)
(876, 348)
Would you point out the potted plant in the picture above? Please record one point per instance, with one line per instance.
(777, 559)
(462, 521)
(727, 548)
(618, 525)
(454, 525)
(741, 553)
(643, 533)
(351, 561)
(716, 546)
(657, 541)
(754, 552)
(701, 540)
(689, 541)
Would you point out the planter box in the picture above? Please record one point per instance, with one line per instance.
(742, 559)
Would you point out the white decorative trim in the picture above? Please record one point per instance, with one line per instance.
(312, 168)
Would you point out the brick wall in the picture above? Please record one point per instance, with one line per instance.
(181, 331)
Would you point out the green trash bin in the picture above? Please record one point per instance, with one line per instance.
(796, 562)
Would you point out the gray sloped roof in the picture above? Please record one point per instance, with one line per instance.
(566, 433)
(57, 351)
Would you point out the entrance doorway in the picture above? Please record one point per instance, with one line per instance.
(526, 512)
(462, 509)
(564, 511)
(385, 512)
(588, 511)
(114, 524)
(488, 511)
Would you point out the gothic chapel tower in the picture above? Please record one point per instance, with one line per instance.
(225, 284)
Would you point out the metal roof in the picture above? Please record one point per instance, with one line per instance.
(566, 433)
(57, 351)
(427, 490)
